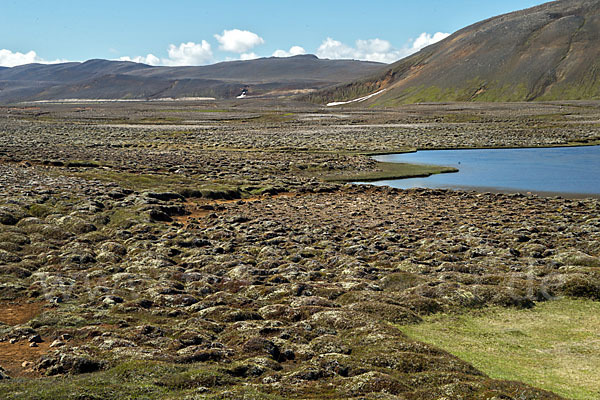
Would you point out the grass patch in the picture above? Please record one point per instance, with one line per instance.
(554, 346)
(133, 380)
(187, 187)
(387, 171)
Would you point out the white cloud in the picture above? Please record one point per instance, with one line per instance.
(150, 59)
(426, 39)
(370, 50)
(374, 45)
(248, 56)
(238, 41)
(376, 49)
(335, 49)
(12, 59)
(294, 51)
(189, 53)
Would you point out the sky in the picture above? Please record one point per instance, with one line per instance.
(187, 32)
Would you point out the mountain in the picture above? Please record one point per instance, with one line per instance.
(103, 79)
(547, 52)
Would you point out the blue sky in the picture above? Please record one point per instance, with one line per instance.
(203, 32)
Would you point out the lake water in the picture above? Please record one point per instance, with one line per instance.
(553, 170)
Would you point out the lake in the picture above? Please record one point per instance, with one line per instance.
(554, 170)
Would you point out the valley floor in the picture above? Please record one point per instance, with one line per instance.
(211, 250)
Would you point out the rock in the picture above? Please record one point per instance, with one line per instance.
(57, 343)
(7, 257)
(75, 225)
(375, 382)
(112, 300)
(216, 355)
(326, 344)
(7, 218)
(114, 247)
(57, 364)
(260, 346)
(35, 339)
(3, 374)
(165, 196)
(339, 319)
(156, 214)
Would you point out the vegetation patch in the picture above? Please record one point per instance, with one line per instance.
(554, 346)
(131, 380)
(185, 186)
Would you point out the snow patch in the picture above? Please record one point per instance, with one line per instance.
(360, 99)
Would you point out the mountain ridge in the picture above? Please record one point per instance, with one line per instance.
(107, 79)
(547, 52)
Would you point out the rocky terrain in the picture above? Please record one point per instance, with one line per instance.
(178, 251)
(547, 52)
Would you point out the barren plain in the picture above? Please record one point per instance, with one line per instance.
(191, 250)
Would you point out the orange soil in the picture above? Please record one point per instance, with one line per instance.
(16, 314)
(196, 212)
(12, 357)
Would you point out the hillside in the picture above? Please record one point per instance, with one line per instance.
(101, 79)
(547, 52)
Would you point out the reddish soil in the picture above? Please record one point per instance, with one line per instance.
(196, 211)
(12, 357)
(15, 313)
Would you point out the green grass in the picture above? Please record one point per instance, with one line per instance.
(387, 171)
(186, 186)
(134, 380)
(554, 346)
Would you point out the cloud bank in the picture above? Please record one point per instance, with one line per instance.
(293, 51)
(189, 53)
(12, 59)
(243, 42)
(376, 49)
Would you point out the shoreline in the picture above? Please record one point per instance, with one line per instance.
(481, 189)
(497, 190)
(416, 150)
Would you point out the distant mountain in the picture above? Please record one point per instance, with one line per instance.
(546, 52)
(103, 79)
